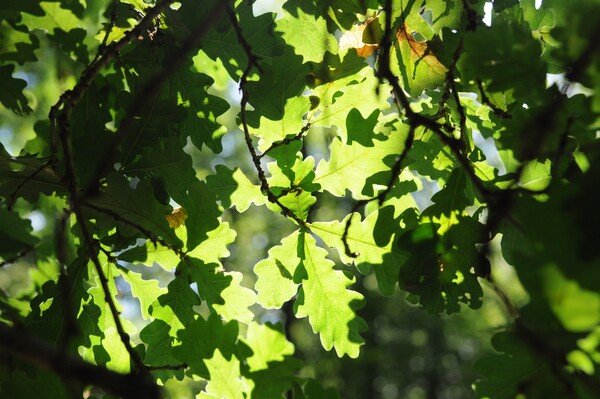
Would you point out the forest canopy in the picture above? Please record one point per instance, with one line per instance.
(300, 199)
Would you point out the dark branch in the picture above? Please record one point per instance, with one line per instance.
(70, 98)
(253, 63)
(452, 85)
(149, 90)
(287, 140)
(16, 257)
(93, 254)
(486, 101)
(147, 233)
(30, 349)
(169, 367)
(13, 195)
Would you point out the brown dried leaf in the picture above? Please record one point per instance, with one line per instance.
(419, 51)
(354, 39)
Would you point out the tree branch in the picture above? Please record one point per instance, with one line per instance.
(13, 195)
(93, 254)
(104, 55)
(287, 140)
(149, 90)
(147, 233)
(36, 352)
(253, 63)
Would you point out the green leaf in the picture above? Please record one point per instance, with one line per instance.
(222, 42)
(26, 176)
(34, 384)
(225, 378)
(222, 291)
(272, 131)
(210, 250)
(576, 308)
(444, 14)
(536, 176)
(517, 366)
(297, 202)
(275, 282)
(313, 390)
(167, 161)
(159, 344)
(199, 340)
(429, 157)
(203, 213)
(442, 271)
(286, 79)
(214, 247)
(416, 64)
(149, 254)
(203, 109)
(286, 175)
(135, 207)
(233, 188)
(490, 55)
(362, 130)
(452, 197)
(160, 118)
(54, 17)
(268, 345)
(118, 358)
(306, 31)
(351, 165)
(146, 291)
(11, 95)
(13, 9)
(15, 234)
(361, 90)
(108, 349)
(15, 45)
(271, 367)
(376, 254)
(327, 301)
(175, 307)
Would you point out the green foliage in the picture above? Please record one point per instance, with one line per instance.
(212, 197)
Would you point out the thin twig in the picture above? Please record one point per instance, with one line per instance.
(16, 257)
(380, 197)
(504, 298)
(169, 367)
(486, 101)
(13, 196)
(414, 119)
(397, 168)
(147, 233)
(452, 84)
(125, 339)
(287, 140)
(110, 52)
(59, 120)
(149, 90)
(71, 97)
(109, 26)
(253, 63)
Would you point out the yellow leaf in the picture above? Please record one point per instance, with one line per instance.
(177, 217)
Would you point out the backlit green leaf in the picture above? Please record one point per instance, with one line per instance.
(325, 298)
